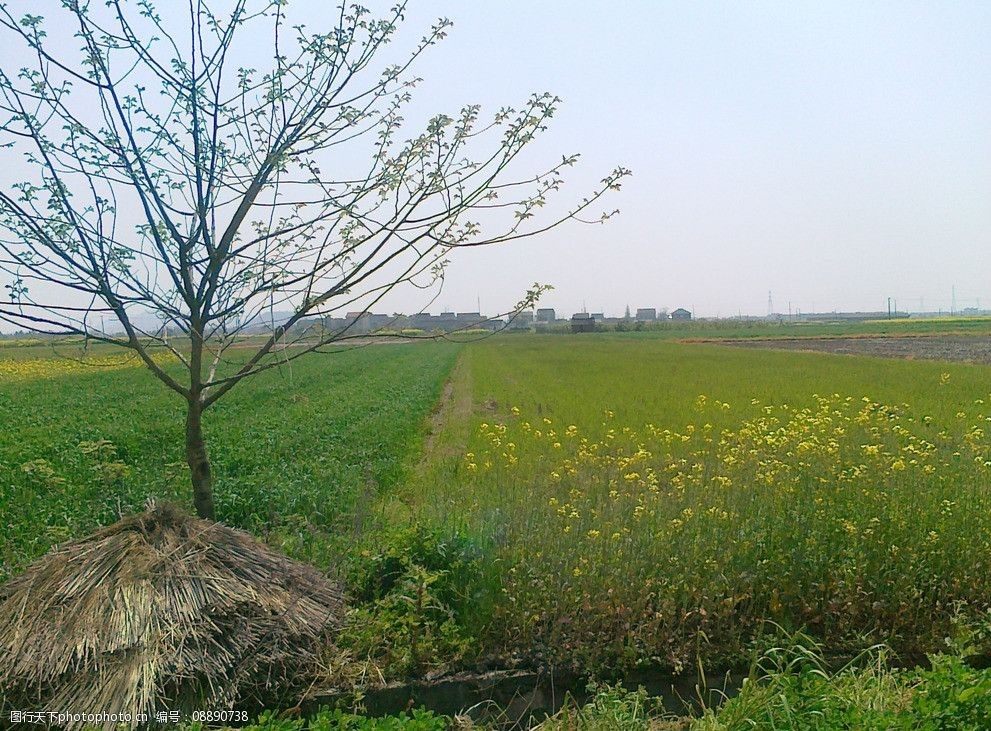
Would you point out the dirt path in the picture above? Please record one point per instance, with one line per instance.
(959, 348)
(449, 420)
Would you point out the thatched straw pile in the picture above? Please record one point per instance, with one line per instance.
(161, 611)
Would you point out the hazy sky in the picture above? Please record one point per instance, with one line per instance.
(835, 153)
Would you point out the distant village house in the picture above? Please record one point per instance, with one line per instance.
(582, 322)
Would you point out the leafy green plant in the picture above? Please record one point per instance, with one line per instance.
(952, 695)
(414, 591)
(453, 555)
(42, 470)
(611, 708)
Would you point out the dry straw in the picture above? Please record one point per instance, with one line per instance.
(161, 611)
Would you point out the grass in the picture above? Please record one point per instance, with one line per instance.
(294, 451)
(791, 687)
(642, 502)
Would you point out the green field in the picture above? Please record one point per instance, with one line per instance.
(292, 450)
(598, 503)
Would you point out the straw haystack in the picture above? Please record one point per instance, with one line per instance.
(161, 611)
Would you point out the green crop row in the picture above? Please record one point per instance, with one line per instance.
(298, 452)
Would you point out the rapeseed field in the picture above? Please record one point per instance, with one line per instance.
(648, 503)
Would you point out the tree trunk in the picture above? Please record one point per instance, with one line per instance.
(198, 460)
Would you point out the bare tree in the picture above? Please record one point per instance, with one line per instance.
(167, 176)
